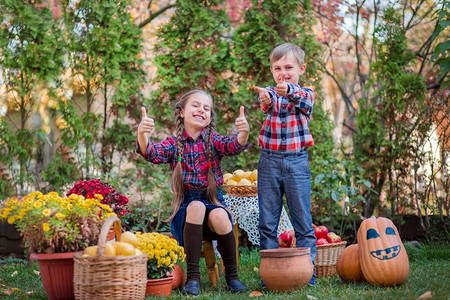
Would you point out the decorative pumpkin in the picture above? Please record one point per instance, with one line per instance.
(348, 266)
(383, 257)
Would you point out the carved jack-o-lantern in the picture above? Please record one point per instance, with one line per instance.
(383, 257)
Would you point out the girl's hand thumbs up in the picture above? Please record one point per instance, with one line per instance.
(242, 126)
(242, 111)
(241, 121)
(147, 124)
(144, 112)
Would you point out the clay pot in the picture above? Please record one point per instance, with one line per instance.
(286, 269)
(160, 287)
(179, 277)
(56, 274)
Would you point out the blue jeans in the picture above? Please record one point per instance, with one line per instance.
(285, 173)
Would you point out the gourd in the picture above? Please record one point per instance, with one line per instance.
(383, 257)
(348, 266)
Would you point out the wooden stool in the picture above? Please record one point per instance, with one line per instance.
(211, 262)
(210, 258)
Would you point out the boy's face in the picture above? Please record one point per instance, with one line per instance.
(288, 67)
(197, 112)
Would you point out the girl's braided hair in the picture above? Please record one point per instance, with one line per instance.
(177, 175)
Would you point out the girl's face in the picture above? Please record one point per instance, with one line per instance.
(288, 67)
(197, 112)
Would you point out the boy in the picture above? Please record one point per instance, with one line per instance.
(283, 167)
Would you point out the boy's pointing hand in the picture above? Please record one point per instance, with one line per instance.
(263, 95)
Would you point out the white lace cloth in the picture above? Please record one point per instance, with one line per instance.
(246, 213)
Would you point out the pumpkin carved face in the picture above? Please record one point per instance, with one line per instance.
(383, 257)
(383, 254)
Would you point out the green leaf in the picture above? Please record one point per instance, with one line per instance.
(335, 196)
(318, 178)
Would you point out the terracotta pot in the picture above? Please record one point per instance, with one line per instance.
(56, 274)
(179, 277)
(160, 287)
(286, 269)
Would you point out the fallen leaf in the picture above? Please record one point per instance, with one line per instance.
(37, 272)
(309, 297)
(426, 295)
(256, 294)
(14, 273)
(8, 291)
(255, 269)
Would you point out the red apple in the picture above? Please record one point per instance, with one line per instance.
(285, 240)
(291, 232)
(321, 241)
(333, 238)
(321, 232)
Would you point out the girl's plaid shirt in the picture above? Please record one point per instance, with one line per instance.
(286, 127)
(194, 161)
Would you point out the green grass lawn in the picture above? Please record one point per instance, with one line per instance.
(429, 271)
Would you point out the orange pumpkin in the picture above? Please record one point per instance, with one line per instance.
(383, 257)
(348, 266)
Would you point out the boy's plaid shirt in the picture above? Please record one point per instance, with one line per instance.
(194, 161)
(286, 127)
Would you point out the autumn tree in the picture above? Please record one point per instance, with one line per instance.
(388, 116)
(192, 52)
(359, 62)
(31, 60)
(106, 80)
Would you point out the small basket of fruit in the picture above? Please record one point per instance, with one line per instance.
(329, 247)
(241, 183)
(111, 270)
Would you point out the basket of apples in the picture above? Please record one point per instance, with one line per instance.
(329, 247)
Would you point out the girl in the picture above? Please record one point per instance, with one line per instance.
(195, 156)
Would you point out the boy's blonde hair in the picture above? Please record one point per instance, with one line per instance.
(285, 49)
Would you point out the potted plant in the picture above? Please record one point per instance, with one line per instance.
(163, 254)
(54, 228)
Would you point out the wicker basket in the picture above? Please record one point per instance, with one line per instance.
(109, 277)
(241, 190)
(326, 258)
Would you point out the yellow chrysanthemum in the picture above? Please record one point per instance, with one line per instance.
(60, 216)
(46, 212)
(46, 227)
(37, 204)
